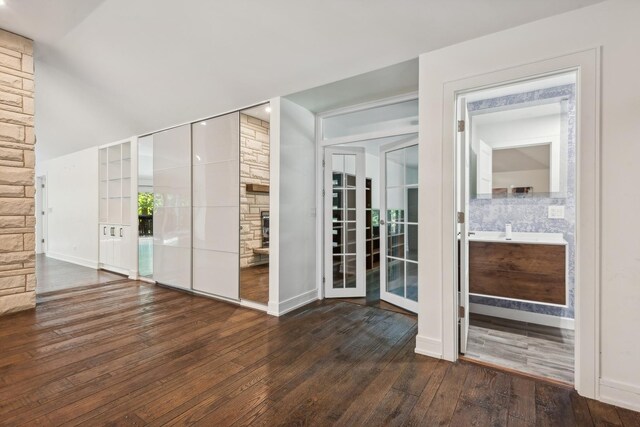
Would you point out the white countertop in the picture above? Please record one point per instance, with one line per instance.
(530, 238)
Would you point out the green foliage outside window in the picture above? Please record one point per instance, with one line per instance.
(145, 203)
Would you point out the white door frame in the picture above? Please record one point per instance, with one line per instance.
(361, 268)
(389, 297)
(41, 218)
(321, 143)
(587, 325)
(462, 161)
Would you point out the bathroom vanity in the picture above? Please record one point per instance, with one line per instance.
(530, 266)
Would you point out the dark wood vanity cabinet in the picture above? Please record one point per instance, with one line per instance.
(524, 271)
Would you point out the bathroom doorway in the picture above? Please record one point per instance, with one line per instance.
(516, 198)
(254, 204)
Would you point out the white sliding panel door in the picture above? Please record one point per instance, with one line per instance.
(172, 215)
(216, 206)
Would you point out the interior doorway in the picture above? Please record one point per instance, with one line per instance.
(516, 198)
(371, 222)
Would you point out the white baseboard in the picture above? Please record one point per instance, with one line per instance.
(73, 259)
(428, 347)
(278, 309)
(523, 316)
(620, 394)
(253, 305)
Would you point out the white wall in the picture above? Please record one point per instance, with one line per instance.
(72, 192)
(613, 25)
(295, 127)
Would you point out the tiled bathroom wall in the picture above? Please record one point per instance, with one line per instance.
(530, 214)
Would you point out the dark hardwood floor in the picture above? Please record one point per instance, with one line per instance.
(130, 353)
(254, 283)
(372, 298)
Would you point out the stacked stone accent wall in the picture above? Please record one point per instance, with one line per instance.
(17, 162)
(254, 169)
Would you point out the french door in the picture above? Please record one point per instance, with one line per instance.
(344, 216)
(399, 223)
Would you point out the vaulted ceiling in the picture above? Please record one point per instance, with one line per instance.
(108, 69)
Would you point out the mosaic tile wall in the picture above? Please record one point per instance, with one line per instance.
(530, 214)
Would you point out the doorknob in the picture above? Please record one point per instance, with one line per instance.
(382, 222)
(120, 231)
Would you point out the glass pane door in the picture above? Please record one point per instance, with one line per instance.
(399, 277)
(344, 223)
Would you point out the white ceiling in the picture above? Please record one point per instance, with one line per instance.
(108, 69)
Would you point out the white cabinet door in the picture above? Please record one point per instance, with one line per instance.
(216, 206)
(125, 247)
(103, 231)
(117, 247)
(109, 245)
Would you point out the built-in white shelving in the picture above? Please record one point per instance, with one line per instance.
(115, 204)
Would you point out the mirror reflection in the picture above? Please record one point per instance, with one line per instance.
(254, 204)
(519, 151)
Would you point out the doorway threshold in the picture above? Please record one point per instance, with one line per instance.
(471, 360)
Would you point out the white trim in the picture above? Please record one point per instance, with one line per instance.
(439, 86)
(253, 305)
(379, 134)
(205, 294)
(620, 394)
(134, 243)
(370, 104)
(319, 210)
(274, 202)
(117, 270)
(523, 316)
(85, 262)
(292, 303)
(320, 150)
(389, 297)
(361, 275)
(428, 347)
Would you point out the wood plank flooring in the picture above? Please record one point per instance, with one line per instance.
(54, 275)
(254, 283)
(372, 298)
(130, 353)
(526, 347)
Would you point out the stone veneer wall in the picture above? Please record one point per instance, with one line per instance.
(254, 169)
(17, 162)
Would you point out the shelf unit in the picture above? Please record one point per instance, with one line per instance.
(373, 231)
(347, 184)
(114, 172)
(115, 184)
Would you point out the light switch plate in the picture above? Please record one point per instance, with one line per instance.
(556, 212)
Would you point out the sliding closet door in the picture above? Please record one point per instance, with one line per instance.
(216, 206)
(172, 212)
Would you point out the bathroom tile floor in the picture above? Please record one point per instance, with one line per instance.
(533, 349)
